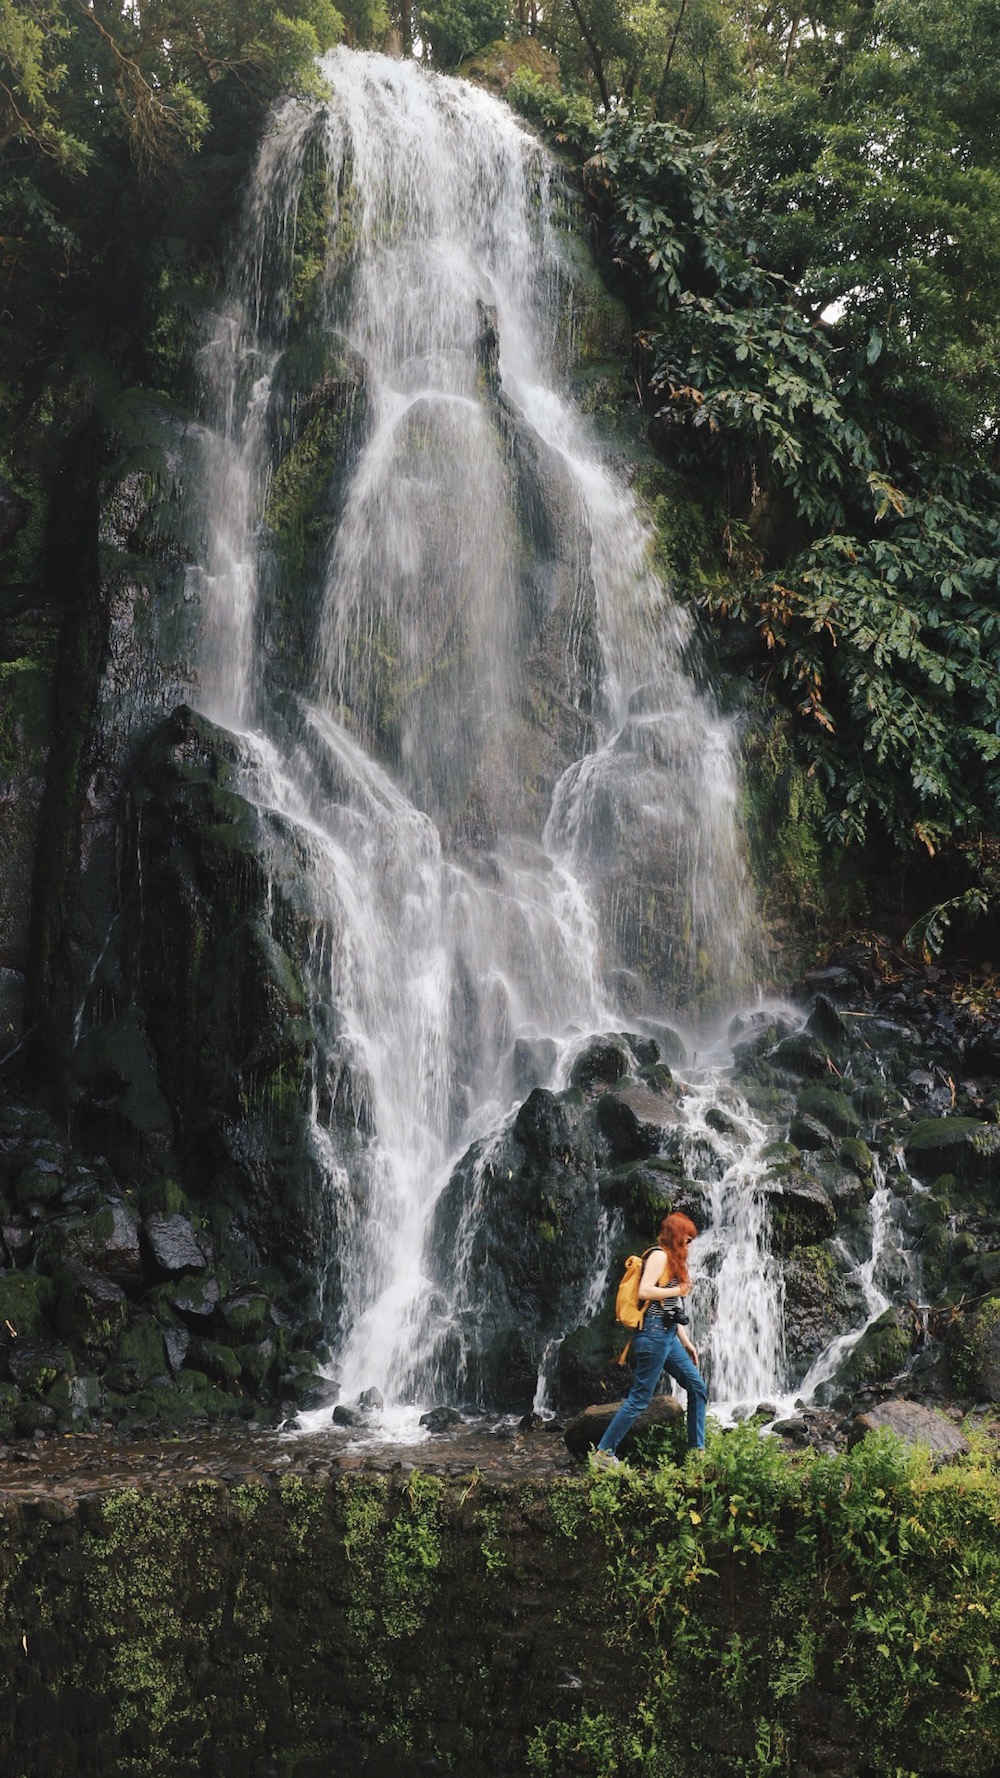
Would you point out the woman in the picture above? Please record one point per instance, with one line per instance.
(661, 1345)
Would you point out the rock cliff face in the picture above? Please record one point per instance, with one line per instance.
(174, 1084)
(286, 1617)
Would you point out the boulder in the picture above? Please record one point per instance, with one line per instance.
(41, 1179)
(440, 1419)
(173, 1244)
(801, 1211)
(819, 1305)
(960, 1145)
(217, 1362)
(92, 1309)
(197, 1300)
(138, 1357)
(634, 1119)
(808, 1134)
(915, 1423)
(602, 1064)
(881, 1353)
(825, 1022)
(105, 1240)
(843, 1186)
(75, 1400)
(344, 1414)
(36, 1364)
(830, 1108)
(801, 1056)
(585, 1430)
(176, 1340)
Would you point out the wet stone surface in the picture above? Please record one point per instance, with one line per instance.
(84, 1465)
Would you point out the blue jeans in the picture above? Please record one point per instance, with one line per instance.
(658, 1349)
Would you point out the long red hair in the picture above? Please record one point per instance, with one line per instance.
(675, 1233)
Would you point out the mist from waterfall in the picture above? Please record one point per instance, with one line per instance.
(471, 871)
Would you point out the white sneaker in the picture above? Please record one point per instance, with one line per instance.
(601, 1460)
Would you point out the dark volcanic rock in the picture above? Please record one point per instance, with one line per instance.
(36, 1363)
(105, 1240)
(173, 1245)
(584, 1431)
(801, 1056)
(880, 1355)
(92, 1309)
(602, 1065)
(197, 1300)
(440, 1419)
(833, 1109)
(801, 1211)
(959, 1145)
(633, 1120)
(819, 1305)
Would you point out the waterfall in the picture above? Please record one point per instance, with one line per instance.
(477, 746)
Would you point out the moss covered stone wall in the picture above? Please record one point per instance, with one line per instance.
(751, 1615)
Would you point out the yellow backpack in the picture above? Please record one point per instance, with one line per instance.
(629, 1312)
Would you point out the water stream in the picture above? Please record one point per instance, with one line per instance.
(506, 808)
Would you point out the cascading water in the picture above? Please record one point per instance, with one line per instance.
(481, 758)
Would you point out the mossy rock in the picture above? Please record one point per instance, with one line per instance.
(138, 1355)
(963, 1146)
(857, 1154)
(830, 1108)
(76, 1400)
(203, 1398)
(92, 1311)
(872, 1099)
(246, 1316)
(25, 1300)
(35, 1364)
(220, 1363)
(879, 1355)
(812, 1136)
(800, 1208)
(41, 1180)
(846, 1189)
(646, 1191)
(257, 1363)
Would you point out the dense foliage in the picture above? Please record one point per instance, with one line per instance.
(813, 280)
(867, 1564)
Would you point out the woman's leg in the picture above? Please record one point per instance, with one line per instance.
(679, 1365)
(649, 1347)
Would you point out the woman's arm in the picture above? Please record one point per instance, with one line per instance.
(650, 1288)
